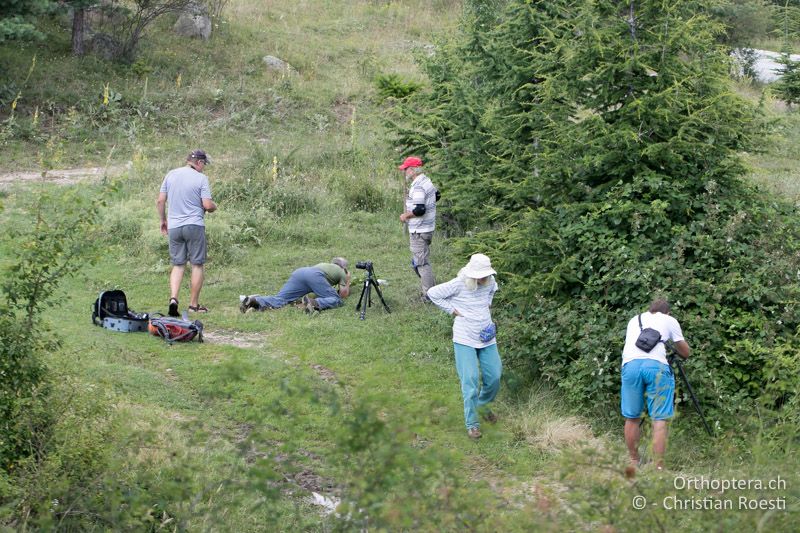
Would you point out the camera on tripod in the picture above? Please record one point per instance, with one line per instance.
(370, 282)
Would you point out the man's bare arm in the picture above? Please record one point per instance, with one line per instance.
(682, 347)
(344, 291)
(161, 203)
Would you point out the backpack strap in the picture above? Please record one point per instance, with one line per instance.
(640, 322)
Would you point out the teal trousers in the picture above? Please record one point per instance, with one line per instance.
(479, 370)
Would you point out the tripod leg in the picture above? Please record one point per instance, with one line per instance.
(364, 288)
(365, 304)
(380, 295)
(693, 397)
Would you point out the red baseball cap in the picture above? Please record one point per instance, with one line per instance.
(411, 162)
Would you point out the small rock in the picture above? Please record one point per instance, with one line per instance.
(193, 26)
(275, 63)
(194, 22)
(105, 46)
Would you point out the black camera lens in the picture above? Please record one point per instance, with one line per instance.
(365, 265)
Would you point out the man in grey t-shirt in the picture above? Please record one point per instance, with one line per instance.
(187, 194)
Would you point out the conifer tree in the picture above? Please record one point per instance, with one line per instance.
(598, 143)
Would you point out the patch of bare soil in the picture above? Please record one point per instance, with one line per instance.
(235, 338)
(60, 177)
(542, 492)
(327, 375)
(309, 480)
(343, 111)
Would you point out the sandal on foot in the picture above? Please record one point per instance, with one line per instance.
(173, 308)
(474, 433)
(198, 309)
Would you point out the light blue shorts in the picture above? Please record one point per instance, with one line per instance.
(651, 379)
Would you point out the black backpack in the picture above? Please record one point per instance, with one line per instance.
(111, 311)
(648, 337)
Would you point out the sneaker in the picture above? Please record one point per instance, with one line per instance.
(247, 303)
(173, 308)
(474, 433)
(310, 304)
(490, 417)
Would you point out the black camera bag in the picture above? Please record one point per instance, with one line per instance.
(648, 338)
(111, 311)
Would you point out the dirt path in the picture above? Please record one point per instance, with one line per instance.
(60, 177)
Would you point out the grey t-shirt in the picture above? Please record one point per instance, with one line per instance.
(185, 188)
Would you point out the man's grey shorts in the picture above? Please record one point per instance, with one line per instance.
(187, 242)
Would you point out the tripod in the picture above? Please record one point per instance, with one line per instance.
(369, 283)
(675, 360)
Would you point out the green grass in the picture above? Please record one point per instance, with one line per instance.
(232, 434)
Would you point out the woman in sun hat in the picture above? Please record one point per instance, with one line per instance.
(468, 298)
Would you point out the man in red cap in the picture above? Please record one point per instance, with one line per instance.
(420, 215)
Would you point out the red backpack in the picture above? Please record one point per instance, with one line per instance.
(175, 329)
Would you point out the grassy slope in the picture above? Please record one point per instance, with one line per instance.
(216, 406)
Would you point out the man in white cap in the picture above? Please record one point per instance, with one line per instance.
(468, 298)
(187, 193)
(420, 215)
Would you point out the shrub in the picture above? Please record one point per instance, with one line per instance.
(288, 199)
(50, 242)
(362, 193)
(745, 21)
(266, 185)
(608, 173)
(121, 228)
(787, 88)
(391, 485)
(393, 86)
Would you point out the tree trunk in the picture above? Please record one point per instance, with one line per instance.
(78, 31)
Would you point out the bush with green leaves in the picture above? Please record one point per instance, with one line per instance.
(362, 193)
(51, 241)
(598, 148)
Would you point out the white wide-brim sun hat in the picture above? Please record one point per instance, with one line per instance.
(479, 267)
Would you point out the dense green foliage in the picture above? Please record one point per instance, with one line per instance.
(50, 242)
(787, 88)
(745, 20)
(600, 145)
(17, 16)
(393, 86)
(234, 434)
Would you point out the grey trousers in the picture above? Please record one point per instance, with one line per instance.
(421, 252)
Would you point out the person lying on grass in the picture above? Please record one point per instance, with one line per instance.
(319, 279)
